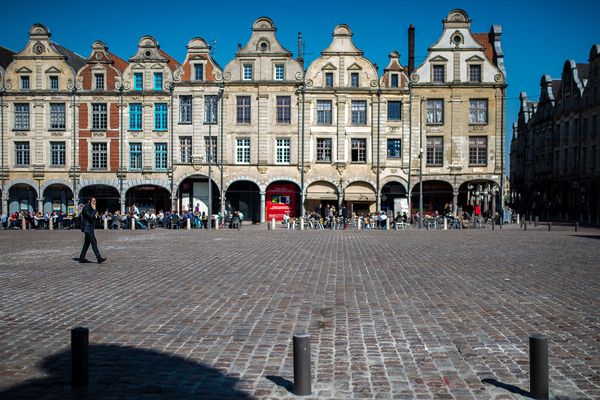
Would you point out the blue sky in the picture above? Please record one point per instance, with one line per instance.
(538, 36)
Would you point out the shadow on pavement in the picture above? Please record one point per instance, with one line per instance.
(122, 372)
(588, 236)
(282, 382)
(510, 388)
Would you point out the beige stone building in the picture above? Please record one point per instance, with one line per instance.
(273, 134)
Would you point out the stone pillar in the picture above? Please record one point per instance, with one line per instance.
(263, 207)
(5, 204)
(455, 202)
(40, 204)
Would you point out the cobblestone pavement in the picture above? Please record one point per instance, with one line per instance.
(195, 315)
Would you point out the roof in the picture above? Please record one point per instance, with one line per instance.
(73, 59)
(6, 56)
(555, 87)
(583, 71)
(172, 63)
(119, 63)
(484, 40)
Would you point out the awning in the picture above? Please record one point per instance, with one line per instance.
(359, 191)
(321, 191)
(360, 197)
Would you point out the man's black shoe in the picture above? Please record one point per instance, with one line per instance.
(84, 261)
(101, 260)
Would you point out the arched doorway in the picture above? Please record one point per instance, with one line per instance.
(282, 197)
(394, 198)
(321, 192)
(437, 195)
(478, 192)
(244, 196)
(148, 197)
(22, 198)
(193, 192)
(58, 198)
(107, 197)
(360, 198)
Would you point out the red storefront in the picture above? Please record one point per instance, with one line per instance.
(281, 198)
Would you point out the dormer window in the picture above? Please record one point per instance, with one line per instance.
(354, 79)
(247, 72)
(474, 73)
(328, 79)
(138, 81)
(438, 73)
(394, 80)
(158, 81)
(99, 81)
(25, 82)
(53, 82)
(279, 72)
(198, 72)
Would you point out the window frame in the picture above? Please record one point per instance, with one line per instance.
(437, 150)
(58, 117)
(247, 67)
(323, 150)
(283, 151)
(99, 117)
(198, 67)
(283, 105)
(161, 156)
(242, 148)
(480, 67)
(399, 148)
(276, 76)
(354, 79)
(161, 117)
(136, 156)
(135, 117)
(435, 67)
(434, 120)
(243, 110)
(326, 80)
(324, 116)
(210, 149)
(158, 79)
(477, 157)
(100, 156)
(25, 78)
(96, 76)
(22, 118)
(53, 83)
(355, 115)
(138, 81)
(361, 151)
(186, 109)
(57, 153)
(185, 149)
(23, 154)
(393, 102)
(397, 82)
(476, 108)
(211, 102)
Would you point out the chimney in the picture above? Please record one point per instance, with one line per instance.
(300, 58)
(411, 49)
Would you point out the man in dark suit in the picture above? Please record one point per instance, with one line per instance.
(88, 224)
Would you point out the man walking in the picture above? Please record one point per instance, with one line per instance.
(88, 224)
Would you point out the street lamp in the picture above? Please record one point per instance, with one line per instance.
(211, 114)
(222, 194)
(73, 86)
(121, 88)
(378, 137)
(421, 162)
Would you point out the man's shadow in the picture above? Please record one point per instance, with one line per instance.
(122, 372)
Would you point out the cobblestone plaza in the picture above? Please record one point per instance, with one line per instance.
(406, 314)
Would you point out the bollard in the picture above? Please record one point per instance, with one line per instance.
(132, 223)
(530, 217)
(576, 226)
(501, 222)
(105, 224)
(272, 223)
(302, 385)
(51, 223)
(358, 224)
(538, 366)
(79, 357)
(387, 224)
(301, 223)
(445, 224)
(24, 225)
(549, 226)
(519, 219)
(537, 220)
(524, 226)
(493, 224)
(268, 226)
(217, 223)
(188, 224)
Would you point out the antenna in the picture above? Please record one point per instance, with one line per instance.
(213, 48)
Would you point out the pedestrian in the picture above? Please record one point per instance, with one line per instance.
(88, 223)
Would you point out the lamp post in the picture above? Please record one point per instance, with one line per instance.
(209, 156)
(171, 170)
(222, 197)
(121, 88)
(73, 86)
(303, 91)
(378, 138)
(421, 162)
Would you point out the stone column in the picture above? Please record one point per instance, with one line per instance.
(263, 207)
(40, 204)
(5, 204)
(455, 202)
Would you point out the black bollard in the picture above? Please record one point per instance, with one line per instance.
(493, 224)
(576, 226)
(537, 220)
(302, 385)
(549, 226)
(79, 357)
(525, 226)
(538, 366)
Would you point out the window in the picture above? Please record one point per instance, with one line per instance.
(135, 117)
(22, 116)
(185, 109)
(435, 150)
(475, 73)
(328, 79)
(243, 109)
(158, 81)
(247, 72)
(138, 81)
(57, 116)
(99, 156)
(99, 81)
(394, 80)
(324, 112)
(282, 151)
(477, 111)
(394, 148)
(478, 150)
(185, 149)
(242, 151)
(211, 109)
(435, 111)
(57, 154)
(394, 110)
(135, 156)
(25, 82)
(210, 146)
(160, 156)
(279, 72)
(359, 112)
(22, 154)
(323, 150)
(198, 72)
(53, 82)
(284, 109)
(359, 150)
(160, 116)
(99, 118)
(438, 73)
(354, 79)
